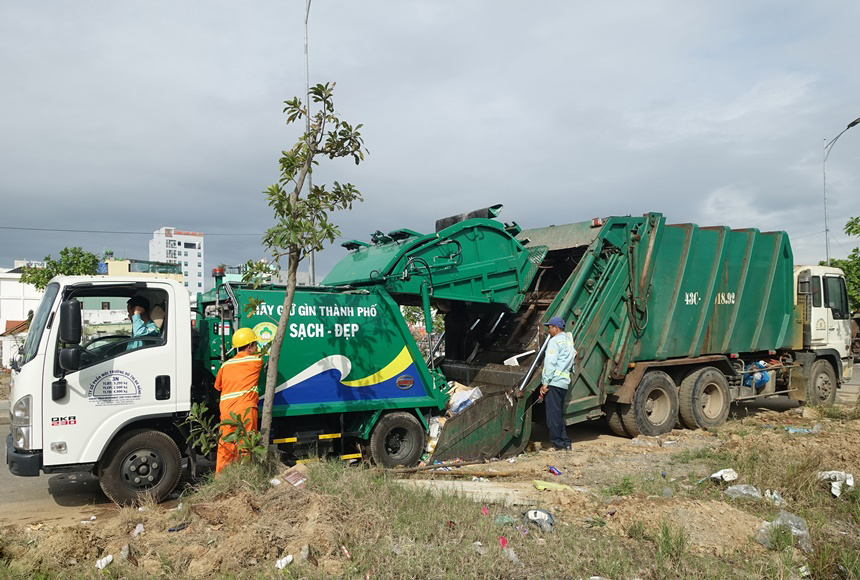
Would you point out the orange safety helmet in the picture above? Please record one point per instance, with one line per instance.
(243, 337)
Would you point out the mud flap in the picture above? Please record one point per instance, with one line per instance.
(498, 424)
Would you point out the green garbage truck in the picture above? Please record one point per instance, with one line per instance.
(671, 324)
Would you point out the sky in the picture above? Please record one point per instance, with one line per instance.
(130, 116)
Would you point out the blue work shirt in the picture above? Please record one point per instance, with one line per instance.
(558, 362)
(141, 328)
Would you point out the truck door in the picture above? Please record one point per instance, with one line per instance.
(838, 315)
(819, 318)
(122, 378)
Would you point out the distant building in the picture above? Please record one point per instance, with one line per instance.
(236, 273)
(184, 248)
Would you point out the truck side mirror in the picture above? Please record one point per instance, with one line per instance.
(70, 322)
(70, 358)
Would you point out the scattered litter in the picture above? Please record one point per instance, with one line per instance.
(86, 522)
(670, 442)
(554, 470)
(284, 562)
(796, 524)
(92, 518)
(504, 520)
(512, 556)
(275, 481)
(437, 462)
(124, 552)
(798, 430)
(485, 510)
(138, 530)
(725, 475)
(663, 474)
(541, 518)
(306, 554)
(774, 497)
(479, 547)
(297, 476)
(667, 491)
(817, 428)
(480, 479)
(743, 491)
(512, 460)
(345, 552)
(804, 572)
(837, 479)
(180, 527)
(548, 485)
(104, 562)
(503, 542)
(142, 509)
(177, 508)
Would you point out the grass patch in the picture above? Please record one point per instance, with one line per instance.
(622, 488)
(839, 412)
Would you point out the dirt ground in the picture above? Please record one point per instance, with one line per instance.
(625, 486)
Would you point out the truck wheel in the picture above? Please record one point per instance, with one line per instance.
(704, 399)
(614, 420)
(397, 439)
(141, 463)
(822, 384)
(655, 406)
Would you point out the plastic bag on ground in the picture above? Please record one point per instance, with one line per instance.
(436, 424)
(725, 475)
(774, 497)
(837, 479)
(796, 524)
(743, 491)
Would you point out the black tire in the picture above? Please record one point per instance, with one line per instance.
(703, 399)
(139, 464)
(655, 406)
(613, 418)
(821, 389)
(397, 439)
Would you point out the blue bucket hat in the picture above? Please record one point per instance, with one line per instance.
(555, 321)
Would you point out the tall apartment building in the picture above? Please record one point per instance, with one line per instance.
(180, 247)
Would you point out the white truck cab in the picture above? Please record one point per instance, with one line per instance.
(829, 314)
(90, 396)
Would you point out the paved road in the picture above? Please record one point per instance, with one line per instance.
(70, 498)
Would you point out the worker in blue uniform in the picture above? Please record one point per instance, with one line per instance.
(555, 380)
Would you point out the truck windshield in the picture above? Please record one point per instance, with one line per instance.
(37, 325)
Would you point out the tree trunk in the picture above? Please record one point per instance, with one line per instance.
(275, 350)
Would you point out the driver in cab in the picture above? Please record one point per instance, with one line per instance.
(141, 323)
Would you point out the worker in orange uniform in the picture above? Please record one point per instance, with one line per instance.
(237, 380)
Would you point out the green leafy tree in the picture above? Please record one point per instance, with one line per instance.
(302, 224)
(851, 265)
(73, 262)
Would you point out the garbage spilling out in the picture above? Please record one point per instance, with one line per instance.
(104, 562)
(297, 476)
(725, 475)
(461, 397)
(837, 479)
(795, 524)
(815, 430)
(138, 530)
(436, 425)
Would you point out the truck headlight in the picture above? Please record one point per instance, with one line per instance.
(21, 411)
(21, 437)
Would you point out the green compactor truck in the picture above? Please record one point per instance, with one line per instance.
(671, 324)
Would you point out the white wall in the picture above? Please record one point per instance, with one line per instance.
(16, 301)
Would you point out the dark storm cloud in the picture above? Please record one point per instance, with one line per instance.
(134, 116)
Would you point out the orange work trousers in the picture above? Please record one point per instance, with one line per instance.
(229, 452)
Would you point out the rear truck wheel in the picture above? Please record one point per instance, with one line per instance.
(139, 464)
(613, 418)
(654, 410)
(704, 399)
(822, 384)
(397, 439)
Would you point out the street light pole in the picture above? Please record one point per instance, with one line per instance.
(312, 266)
(828, 147)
